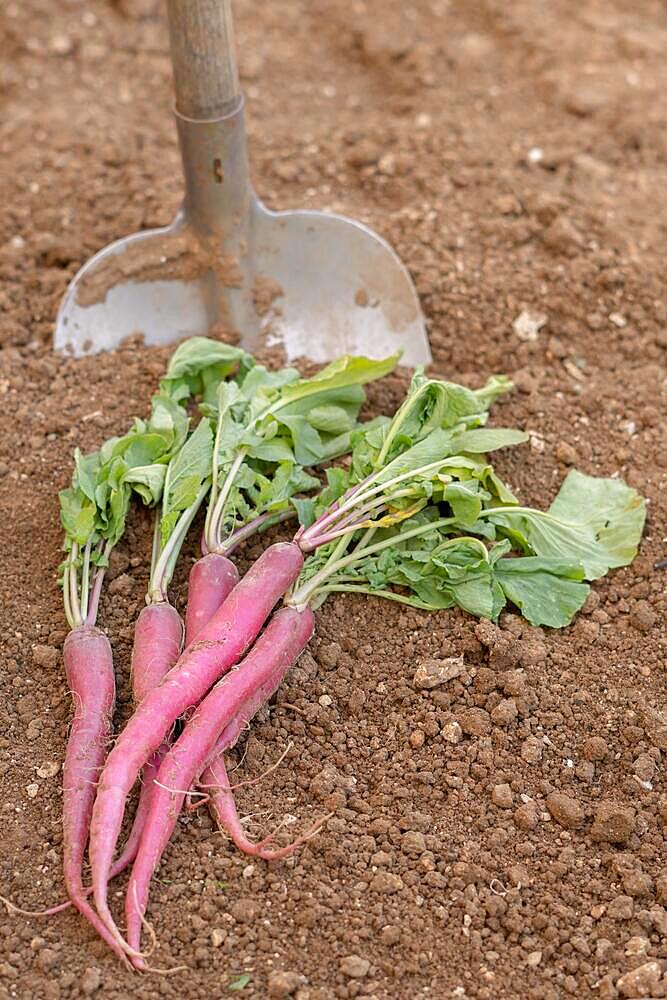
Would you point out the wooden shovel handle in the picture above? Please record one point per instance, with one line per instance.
(206, 79)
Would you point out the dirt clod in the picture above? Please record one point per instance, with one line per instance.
(640, 982)
(501, 796)
(354, 966)
(285, 984)
(613, 823)
(565, 810)
(433, 673)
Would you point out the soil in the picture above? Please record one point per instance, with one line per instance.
(501, 835)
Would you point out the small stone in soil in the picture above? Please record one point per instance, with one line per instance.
(432, 673)
(640, 982)
(621, 908)
(386, 883)
(45, 656)
(91, 981)
(661, 889)
(528, 324)
(527, 815)
(354, 966)
(501, 796)
(637, 884)
(595, 749)
(613, 823)
(565, 810)
(475, 722)
(413, 842)
(504, 713)
(452, 732)
(284, 984)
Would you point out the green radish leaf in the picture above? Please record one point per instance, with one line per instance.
(331, 419)
(487, 439)
(546, 591)
(86, 471)
(344, 372)
(305, 510)
(169, 420)
(186, 475)
(197, 364)
(614, 511)
(275, 420)
(78, 515)
(147, 481)
(595, 522)
(433, 404)
(496, 386)
(466, 501)
(276, 449)
(307, 441)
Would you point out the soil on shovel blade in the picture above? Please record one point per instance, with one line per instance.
(501, 835)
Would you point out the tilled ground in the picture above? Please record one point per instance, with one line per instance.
(501, 836)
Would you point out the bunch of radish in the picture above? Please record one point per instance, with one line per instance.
(416, 514)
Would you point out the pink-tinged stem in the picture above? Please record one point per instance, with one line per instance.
(283, 640)
(250, 529)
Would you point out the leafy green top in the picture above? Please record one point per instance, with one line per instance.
(270, 425)
(422, 510)
(93, 510)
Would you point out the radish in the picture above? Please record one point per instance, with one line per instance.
(214, 780)
(219, 645)
(157, 644)
(93, 512)
(283, 640)
(89, 669)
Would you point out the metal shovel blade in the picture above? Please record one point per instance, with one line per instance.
(317, 285)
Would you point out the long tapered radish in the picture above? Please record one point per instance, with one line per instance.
(211, 580)
(214, 780)
(220, 645)
(89, 669)
(158, 633)
(283, 640)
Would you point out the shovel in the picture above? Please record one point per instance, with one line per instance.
(316, 284)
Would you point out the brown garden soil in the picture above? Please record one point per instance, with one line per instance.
(503, 835)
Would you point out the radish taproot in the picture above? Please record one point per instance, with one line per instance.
(220, 644)
(283, 640)
(93, 514)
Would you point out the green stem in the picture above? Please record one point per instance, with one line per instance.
(85, 580)
(94, 602)
(520, 510)
(74, 585)
(389, 595)
(66, 598)
(156, 547)
(303, 594)
(359, 499)
(164, 569)
(216, 509)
